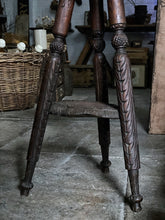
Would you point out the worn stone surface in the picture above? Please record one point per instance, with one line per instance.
(13, 129)
(67, 181)
(66, 186)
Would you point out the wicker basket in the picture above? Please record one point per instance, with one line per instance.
(19, 80)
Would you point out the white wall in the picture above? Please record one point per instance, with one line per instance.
(76, 40)
(10, 9)
(150, 6)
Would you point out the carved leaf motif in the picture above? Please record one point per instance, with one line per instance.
(127, 112)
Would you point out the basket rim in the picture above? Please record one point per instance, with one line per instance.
(9, 57)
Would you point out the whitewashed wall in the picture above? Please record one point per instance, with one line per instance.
(150, 6)
(10, 9)
(76, 40)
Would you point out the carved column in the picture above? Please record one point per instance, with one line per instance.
(97, 14)
(125, 99)
(49, 85)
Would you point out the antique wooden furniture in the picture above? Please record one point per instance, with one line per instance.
(100, 108)
(81, 63)
(86, 29)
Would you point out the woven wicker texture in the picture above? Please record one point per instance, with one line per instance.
(19, 80)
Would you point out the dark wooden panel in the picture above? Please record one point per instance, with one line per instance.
(23, 7)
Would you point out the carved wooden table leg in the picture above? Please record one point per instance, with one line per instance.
(125, 100)
(48, 87)
(97, 12)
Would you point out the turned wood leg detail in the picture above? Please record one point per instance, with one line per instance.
(102, 96)
(41, 116)
(125, 99)
(49, 84)
(135, 198)
(97, 14)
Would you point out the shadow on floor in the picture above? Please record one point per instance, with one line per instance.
(108, 177)
(155, 215)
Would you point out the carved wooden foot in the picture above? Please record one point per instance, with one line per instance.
(26, 184)
(97, 14)
(104, 165)
(135, 199)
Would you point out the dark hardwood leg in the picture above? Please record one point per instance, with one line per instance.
(135, 198)
(54, 67)
(97, 12)
(125, 100)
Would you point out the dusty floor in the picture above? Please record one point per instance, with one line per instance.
(67, 182)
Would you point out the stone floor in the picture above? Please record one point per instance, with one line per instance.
(67, 181)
